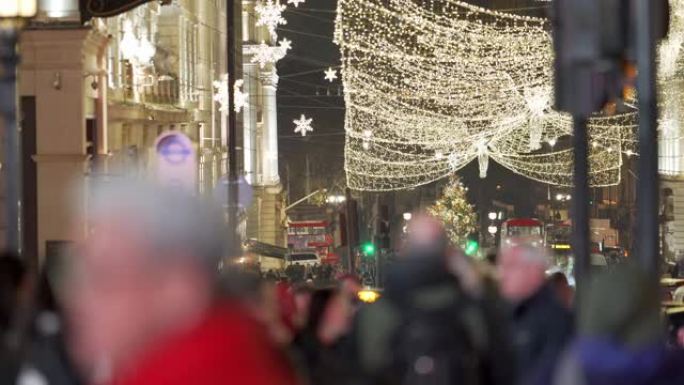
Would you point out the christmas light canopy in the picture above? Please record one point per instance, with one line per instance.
(442, 83)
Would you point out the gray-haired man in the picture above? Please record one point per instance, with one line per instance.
(541, 325)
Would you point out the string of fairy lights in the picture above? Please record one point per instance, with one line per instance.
(432, 85)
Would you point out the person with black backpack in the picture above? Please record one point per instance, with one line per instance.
(426, 330)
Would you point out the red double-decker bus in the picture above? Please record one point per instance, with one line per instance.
(307, 239)
(522, 230)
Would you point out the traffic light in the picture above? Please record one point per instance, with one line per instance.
(368, 249)
(594, 43)
(471, 247)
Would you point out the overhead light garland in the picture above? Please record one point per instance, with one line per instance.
(443, 83)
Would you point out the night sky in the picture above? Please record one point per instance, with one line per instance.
(303, 90)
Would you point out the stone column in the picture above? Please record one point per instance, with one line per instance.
(269, 137)
(250, 119)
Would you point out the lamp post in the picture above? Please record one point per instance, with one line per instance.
(13, 16)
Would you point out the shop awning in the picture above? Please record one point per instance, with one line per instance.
(265, 249)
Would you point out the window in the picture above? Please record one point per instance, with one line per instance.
(303, 257)
(524, 231)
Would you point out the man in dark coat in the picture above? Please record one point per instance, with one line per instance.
(426, 328)
(541, 324)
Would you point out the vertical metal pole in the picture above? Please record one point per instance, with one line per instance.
(307, 180)
(351, 217)
(12, 161)
(580, 201)
(648, 251)
(234, 249)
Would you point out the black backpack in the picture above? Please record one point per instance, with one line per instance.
(437, 346)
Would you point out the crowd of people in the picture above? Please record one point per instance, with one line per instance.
(143, 302)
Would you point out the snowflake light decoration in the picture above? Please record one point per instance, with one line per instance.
(303, 125)
(270, 14)
(221, 94)
(241, 98)
(296, 2)
(265, 54)
(330, 74)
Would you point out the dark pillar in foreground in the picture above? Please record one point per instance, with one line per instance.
(234, 244)
(11, 164)
(648, 250)
(580, 201)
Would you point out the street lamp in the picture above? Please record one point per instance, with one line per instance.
(13, 16)
(492, 216)
(492, 229)
(408, 216)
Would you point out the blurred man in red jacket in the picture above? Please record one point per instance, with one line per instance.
(141, 297)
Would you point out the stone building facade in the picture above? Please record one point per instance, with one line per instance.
(95, 96)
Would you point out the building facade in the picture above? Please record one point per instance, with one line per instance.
(95, 97)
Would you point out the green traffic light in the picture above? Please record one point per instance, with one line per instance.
(368, 249)
(471, 247)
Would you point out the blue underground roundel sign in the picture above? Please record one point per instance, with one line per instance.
(174, 150)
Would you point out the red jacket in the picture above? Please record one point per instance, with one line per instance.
(227, 348)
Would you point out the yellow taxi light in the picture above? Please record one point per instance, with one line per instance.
(368, 296)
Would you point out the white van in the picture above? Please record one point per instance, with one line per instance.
(303, 258)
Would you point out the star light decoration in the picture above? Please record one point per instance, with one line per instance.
(330, 74)
(443, 83)
(270, 14)
(303, 125)
(296, 2)
(221, 94)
